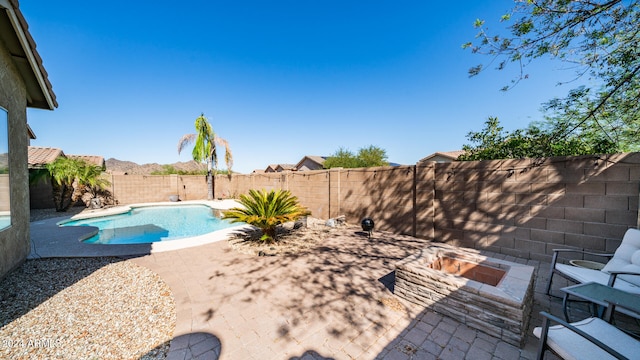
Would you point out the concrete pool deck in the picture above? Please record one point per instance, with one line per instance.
(333, 302)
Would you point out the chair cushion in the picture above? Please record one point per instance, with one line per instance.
(583, 275)
(627, 257)
(569, 345)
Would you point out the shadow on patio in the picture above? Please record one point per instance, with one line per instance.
(334, 301)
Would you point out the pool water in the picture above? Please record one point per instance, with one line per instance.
(153, 224)
(5, 221)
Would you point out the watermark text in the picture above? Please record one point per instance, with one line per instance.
(30, 343)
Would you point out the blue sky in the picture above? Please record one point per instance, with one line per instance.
(277, 79)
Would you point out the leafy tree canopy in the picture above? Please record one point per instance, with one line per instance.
(537, 141)
(171, 170)
(600, 39)
(366, 157)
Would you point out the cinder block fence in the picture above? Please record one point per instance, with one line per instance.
(523, 208)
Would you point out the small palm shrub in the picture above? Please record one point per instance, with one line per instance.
(266, 210)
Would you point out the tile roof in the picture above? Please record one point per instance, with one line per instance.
(319, 159)
(91, 159)
(453, 155)
(41, 156)
(28, 60)
(316, 159)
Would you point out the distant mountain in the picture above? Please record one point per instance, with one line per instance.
(131, 168)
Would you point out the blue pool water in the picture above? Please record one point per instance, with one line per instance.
(153, 224)
(5, 221)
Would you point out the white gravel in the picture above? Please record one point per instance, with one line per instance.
(85, 308)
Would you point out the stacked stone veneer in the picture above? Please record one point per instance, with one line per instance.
(502, 311)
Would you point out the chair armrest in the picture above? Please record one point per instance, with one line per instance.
(556, 252)
(612, 305)
(545, 329)
(607, 255)
(613, 275)
(618, 272)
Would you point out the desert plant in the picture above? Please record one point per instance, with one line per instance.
(204, 149)
(266, 210)
(70, 179)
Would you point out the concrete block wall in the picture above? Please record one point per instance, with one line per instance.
(522, 208)
(129, 189)
(41, 195)
(386, 194)
(5, 188)
(315, 190)
(424, 201)
(191, 187)
(526, 208)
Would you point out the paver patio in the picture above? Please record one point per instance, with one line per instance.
(335, 302)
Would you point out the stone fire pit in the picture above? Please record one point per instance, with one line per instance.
(491, 295)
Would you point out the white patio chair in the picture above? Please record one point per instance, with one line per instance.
(591, 338)
(622, 271)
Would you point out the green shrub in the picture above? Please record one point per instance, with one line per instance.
(266, 210)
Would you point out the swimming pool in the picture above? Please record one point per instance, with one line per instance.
(150, 224)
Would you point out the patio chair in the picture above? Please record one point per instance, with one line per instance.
(591, 338)
(622, 271)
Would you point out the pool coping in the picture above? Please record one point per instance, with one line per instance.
(48, 239)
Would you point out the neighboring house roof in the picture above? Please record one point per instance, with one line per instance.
(278, 168)
(14, 33)
(30, 133)
(442, 156)
(41, 156)
(284, 167)
(91, 159)
(310, 162)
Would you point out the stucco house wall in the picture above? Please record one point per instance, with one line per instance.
(14, 240)
(23, 83)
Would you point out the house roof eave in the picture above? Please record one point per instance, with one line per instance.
(26, 58)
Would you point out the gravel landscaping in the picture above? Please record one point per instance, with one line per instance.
(85, 308)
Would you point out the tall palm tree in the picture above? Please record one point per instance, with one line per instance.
(204, 149)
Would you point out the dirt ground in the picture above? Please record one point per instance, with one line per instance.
(291, 238)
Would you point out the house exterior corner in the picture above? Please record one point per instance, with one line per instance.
(23, 83)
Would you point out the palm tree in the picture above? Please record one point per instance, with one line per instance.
(204, 149)
(267, 210)
(63, 173)
(71, 178)
(88, 180)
